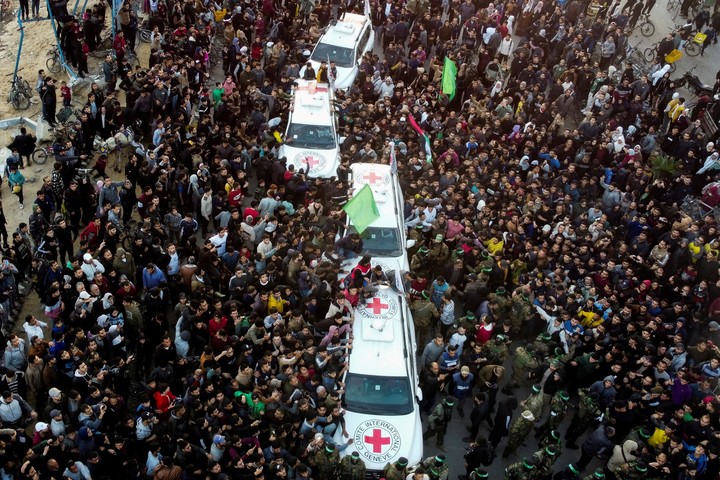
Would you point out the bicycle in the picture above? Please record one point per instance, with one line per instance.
(633, 54)
(647, 27)
(41, 154)
(673, 6)
(54, 63)
(20, 93)
(693, 47)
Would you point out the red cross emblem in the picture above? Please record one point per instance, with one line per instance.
(372, 178)
(310, 161)
(377, 307)
(377, 440)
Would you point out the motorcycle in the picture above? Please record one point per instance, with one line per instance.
(125, 137)
(694, 84)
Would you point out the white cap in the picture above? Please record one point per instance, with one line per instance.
(528, 415)
(40, 426)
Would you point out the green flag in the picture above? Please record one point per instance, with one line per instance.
(362, 209)
(448, 78)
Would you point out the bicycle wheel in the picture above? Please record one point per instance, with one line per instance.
(53, 64)
(647, 29)
(145, 36)
(674, 14)
(20, 101)
(649, 54)
(25, 86)
(670, 5)
(673, 67)
(39, 156)
(127, 242)
(692, 48)
(133, 60)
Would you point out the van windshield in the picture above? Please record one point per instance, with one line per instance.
(379, 241)
(310, 136)
(374, 395)
(343, 57)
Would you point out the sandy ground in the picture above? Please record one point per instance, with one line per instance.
(36, 43)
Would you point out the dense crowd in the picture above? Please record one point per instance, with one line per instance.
(209, 346)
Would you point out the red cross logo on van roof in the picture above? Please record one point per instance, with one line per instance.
(372, 178)
(377, 306)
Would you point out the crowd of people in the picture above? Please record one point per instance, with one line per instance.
(208, 347)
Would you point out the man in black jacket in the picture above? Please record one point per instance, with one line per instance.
(24, 144)
(49, 101)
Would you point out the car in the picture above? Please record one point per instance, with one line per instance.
(384, 240)
(311, 140)
(380, 402)
(345, 42)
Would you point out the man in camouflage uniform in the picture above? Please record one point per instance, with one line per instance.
(419, 262)
(552, 438)
(500, 298)
(558, 409)
(633, 470)
(522, 470)
(436, 467)
(438, 421)
(598, 474)
(570, 472)
(352, 467)
(325, 461)
(518, 432)
(468, 321)
(416, 234)
(588, 411)
(479, 474)
(535, 401)
(438, 254)
(486, 261)
(523, 362)
(496, 351)
(424, 312)
(639, 435)
(520, 310)
(542, 344)
(545, 459)
(397, 470)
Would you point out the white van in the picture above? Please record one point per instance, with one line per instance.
(384, 240)
(345, 43)
(381, 396)
(311, 139)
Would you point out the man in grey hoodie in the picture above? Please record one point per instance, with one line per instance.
(16, 353)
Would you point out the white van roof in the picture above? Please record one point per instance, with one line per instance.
(346, 31)
(311, 103)
(383, 184)
(380, 343)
